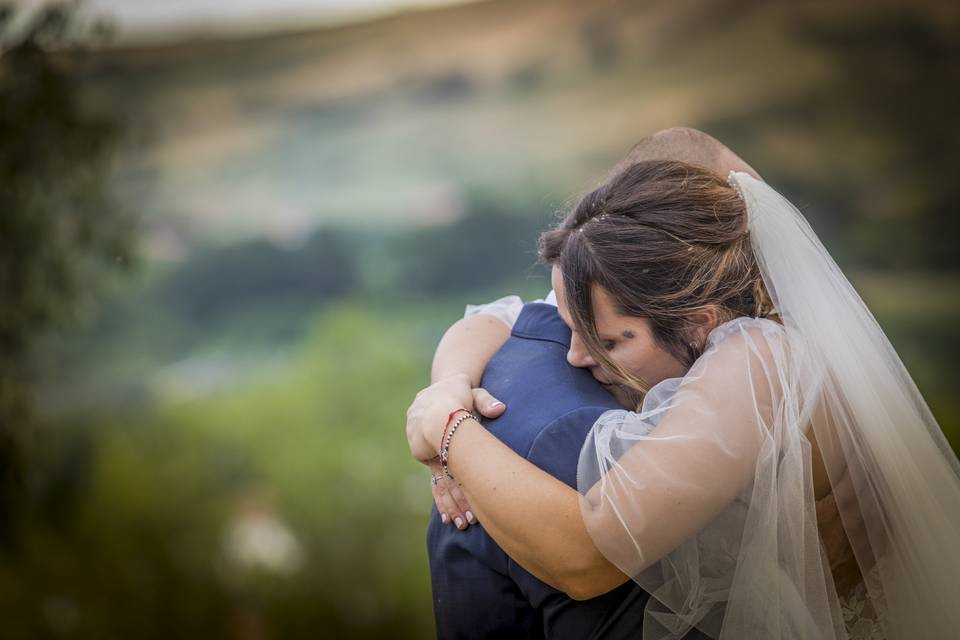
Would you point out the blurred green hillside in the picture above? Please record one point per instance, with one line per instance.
(424, 127)
(849, 108)
(220, 447)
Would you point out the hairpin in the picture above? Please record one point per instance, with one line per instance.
(732, 181)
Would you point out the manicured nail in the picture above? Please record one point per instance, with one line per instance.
(443, 518)
(459, 522)
(472, 519)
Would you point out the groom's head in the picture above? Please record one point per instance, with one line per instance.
(688, 145)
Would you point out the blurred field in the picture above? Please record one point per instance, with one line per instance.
(387, 121)
(219, 448)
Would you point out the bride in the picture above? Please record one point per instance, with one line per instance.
(755, 382)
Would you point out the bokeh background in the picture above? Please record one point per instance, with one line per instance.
(230, 237)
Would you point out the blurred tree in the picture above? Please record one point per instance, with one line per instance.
(61, 229)
(493, 242)
(446, 87)
(529, 76)
(217, 284)
(896, 78)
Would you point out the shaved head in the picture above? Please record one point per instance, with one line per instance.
(686, 145)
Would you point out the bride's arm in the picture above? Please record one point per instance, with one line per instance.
(467, 347)
(468, 344)
(464, 351)
(538, 520)
(533, 516)
(672, 483)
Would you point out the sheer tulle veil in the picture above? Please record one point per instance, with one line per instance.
(755, 567)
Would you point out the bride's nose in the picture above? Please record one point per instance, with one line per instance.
(578, 356)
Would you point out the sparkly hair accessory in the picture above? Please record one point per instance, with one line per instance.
(600, 218)
(732, 180)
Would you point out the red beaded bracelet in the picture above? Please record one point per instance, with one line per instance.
(443, 436)
(448, 435)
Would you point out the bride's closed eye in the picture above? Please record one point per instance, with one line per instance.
(608, 345)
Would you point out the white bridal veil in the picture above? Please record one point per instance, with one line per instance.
(706, 496)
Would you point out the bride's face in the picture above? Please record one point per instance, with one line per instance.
(628, 340)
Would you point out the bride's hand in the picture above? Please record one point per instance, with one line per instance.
(452, 504)
(427, 416)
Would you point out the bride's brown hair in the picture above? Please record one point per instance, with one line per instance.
(666, 240)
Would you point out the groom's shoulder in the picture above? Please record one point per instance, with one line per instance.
(550, 404)
(531, 369)
(540, 321)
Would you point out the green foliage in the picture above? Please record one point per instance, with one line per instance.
(61, 229)
(319, 447)
(490, 244)
(221, 282)
(60, 224)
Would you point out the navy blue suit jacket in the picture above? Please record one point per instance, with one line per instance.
(478, 591)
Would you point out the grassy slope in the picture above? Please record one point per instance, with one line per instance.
(388, 119)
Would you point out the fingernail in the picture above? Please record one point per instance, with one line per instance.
(472, 519)
(443, 518)
(459, 522)
(496, 404)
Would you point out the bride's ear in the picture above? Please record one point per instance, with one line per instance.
(702, 322)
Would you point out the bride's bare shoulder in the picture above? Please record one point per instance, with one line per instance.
(761, 338)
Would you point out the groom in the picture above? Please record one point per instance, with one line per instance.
(479, 591)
